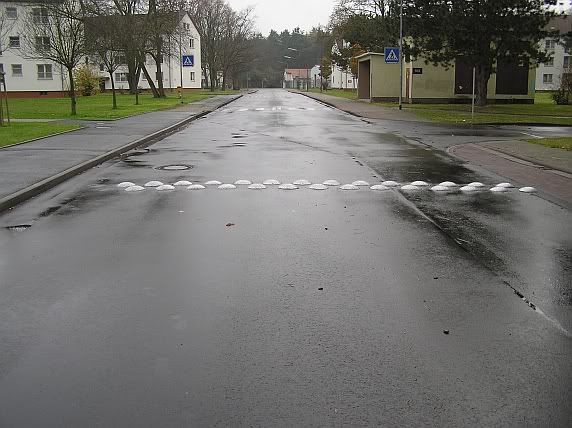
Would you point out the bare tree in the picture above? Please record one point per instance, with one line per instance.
(236, 43)
(54, 31)
(6, 26)
(208, 16)
(103, 44)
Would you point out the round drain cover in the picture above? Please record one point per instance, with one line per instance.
(180, 167)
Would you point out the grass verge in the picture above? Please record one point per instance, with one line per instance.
(18, 132)
(342, 93)
(556, 143)
(99, 107)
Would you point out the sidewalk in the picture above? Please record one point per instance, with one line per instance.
(362, 108)
(28, 169)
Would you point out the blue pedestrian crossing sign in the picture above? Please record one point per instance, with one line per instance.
(188, 60)
(392, 55)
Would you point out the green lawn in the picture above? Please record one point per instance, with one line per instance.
(543, 111)
(17, 132)
(350, 94)
(98, 107)
(557, 143)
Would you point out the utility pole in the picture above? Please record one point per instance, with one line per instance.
(473, 99)
(401, 55)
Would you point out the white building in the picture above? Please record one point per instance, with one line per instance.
(182, 65)
(549, 74)
(42, 78)
(25, 77)
(341, 78)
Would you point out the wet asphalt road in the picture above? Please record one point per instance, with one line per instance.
(288, 308)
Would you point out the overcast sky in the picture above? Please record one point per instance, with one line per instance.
(287, 14)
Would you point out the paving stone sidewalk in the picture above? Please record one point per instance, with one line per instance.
(24, 165)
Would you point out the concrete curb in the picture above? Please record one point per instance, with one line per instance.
(35, 189)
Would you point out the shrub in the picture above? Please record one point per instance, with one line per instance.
(562, 95)
(87, 80)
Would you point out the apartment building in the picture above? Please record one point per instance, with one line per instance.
(26, 77)
(549, 74)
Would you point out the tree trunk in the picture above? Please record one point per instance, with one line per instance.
(213, 80)
(72, 93)
(150, 81)
(113, 90)
(482, 76)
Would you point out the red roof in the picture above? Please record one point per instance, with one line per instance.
(299, 73)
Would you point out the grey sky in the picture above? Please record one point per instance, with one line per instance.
(287, 14)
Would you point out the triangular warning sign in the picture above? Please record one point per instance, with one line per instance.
(392, 56)
(188, 61)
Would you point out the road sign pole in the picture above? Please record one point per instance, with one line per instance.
(401, 55)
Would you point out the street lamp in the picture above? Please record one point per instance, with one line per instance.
(401, 55)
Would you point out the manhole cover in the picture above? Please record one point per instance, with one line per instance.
(174, 167)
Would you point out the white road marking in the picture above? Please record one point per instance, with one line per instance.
(506, 185)
(390, 183)
(469, 188)
(271, 182)
(440, 188)
(349, 187)
(125, 185)
(318, 187)
(302, 183)
(409, 187)
(287, 186)
(532, 135)
(527, 189)
(165, 187)
(499, 189)
(257, 186)
(447, 184)
(476, 184)
(379, 187)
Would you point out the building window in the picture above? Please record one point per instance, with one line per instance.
(1, 68)
(567, 61)
(45, 71)
(547, 78)
(192, 43)
(549, 63)
(14, 41)
(40, 15)
(192, 76)
(101, 67)
(549, 44)
(42, 44)
(186, 26)
(17, 70)
(121, 77)
(11, 13)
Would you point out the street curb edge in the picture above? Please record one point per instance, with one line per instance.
(35, 189)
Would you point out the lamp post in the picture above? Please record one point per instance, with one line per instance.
(401, 55)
